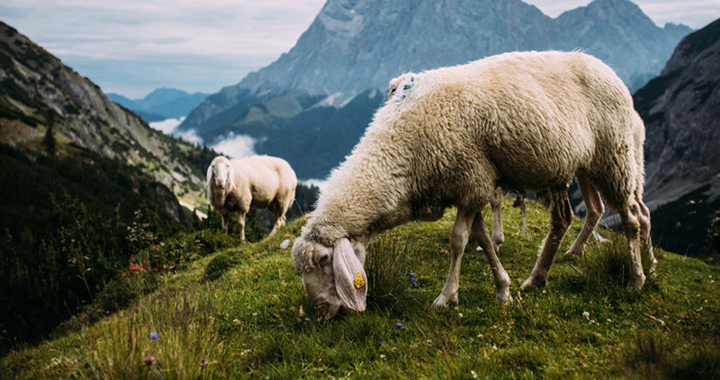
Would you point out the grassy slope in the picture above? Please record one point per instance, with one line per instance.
(250, 322)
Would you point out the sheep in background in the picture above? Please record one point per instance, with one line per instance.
(450, 137)
(249, 183)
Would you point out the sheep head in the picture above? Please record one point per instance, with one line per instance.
(220, 173)
(333, 275)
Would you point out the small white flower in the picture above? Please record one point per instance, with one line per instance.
(479, 335)
(285, 244)
(586, 314)
(494, 347)
(474, 375)
(479, 248)
(460, 315)
(382, 356)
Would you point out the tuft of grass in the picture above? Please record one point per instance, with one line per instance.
(221, 264)
(648, 353)
(387, 270)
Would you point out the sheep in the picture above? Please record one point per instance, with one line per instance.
(250, 183)
(451, 137)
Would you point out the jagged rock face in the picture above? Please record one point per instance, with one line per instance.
(681, 110)
(355, 45)
(37, 89)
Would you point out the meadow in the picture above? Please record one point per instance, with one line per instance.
(242, 312)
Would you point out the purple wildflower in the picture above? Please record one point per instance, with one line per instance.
(382, 340)
(398, 325)
(154, 336)
(413, 280)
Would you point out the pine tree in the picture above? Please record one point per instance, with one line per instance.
(49, 140)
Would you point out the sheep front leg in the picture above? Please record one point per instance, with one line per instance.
(502, 280)
(595, 209)
(560, 218)
(241, 224)
(498, 237)
(629, 217)
(458, 240)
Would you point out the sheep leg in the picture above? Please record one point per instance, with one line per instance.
(595, 209)
(560, 217)
(629, 215)
(225, 219)
(458, 240)
(279, 222)
(645, 238)
(241, 224)
(502, 280)
(498, 237)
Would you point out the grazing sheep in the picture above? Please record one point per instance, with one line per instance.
(450, 137)
(248, 183)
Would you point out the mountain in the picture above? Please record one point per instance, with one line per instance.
(162, 103)
(38, 92)
(356, 46)
(681, 110)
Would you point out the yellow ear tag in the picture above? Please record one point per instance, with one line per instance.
(359, 282)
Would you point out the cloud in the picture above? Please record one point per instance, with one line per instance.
(167, 126)
(218, 40)
(190, 136)
(236, 146)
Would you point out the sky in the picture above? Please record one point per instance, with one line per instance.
(132, 47)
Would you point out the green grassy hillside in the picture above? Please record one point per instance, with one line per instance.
(242, 313)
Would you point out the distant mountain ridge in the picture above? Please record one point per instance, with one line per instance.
(162, 103)
(354, 47)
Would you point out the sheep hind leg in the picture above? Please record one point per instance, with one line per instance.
(630, 215)
(459, 237)
(279, 215)
(595, 209)
(502, 280)
(498, 237)
(225, 219)
(560, 218)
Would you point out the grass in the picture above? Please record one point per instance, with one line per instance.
(246, 315)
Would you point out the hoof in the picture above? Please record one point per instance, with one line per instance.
(636, 283)
(443, 302)
(533, 283)
(574, 251)
(503, 297)
(653, 266)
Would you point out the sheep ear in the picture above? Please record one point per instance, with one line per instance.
(350, 277)
(208, 176)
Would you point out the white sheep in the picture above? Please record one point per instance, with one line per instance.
(250, 183)
(450, 137)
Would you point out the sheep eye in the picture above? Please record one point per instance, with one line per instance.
(324, 259)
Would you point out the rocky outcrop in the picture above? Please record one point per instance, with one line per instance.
(37, 90)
